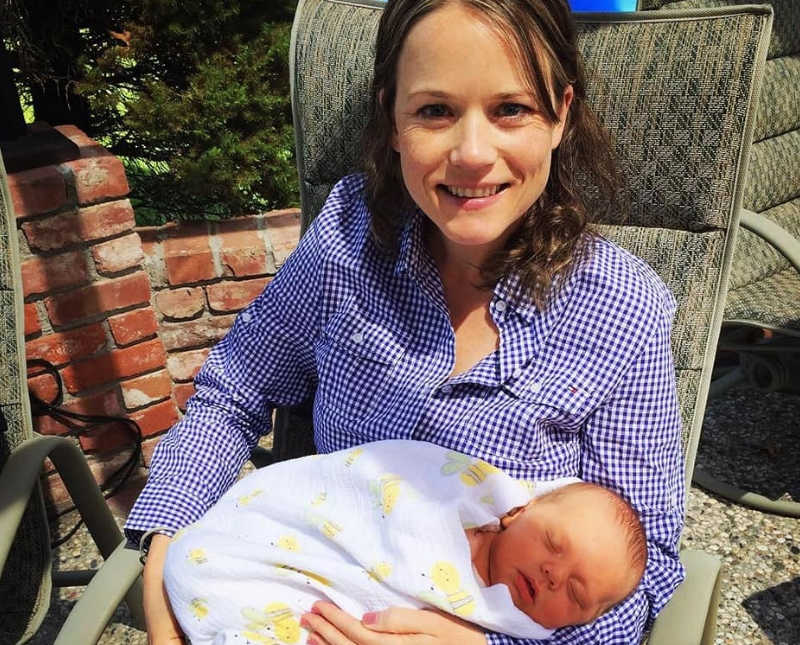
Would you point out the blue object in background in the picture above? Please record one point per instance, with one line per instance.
(603, 5)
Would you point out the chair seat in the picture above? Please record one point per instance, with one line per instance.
(765, 303)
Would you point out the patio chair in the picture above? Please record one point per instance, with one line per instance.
(764, 287)
(677, 90)
(25, 557)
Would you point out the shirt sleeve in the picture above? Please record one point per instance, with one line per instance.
(265, 360)
(632, 444)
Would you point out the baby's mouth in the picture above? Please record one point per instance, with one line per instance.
(525, 587)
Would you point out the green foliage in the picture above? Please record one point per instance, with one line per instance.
(192, 94)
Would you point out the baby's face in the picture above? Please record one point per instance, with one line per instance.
(565, 561)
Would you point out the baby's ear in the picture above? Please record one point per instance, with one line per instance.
(509, 517)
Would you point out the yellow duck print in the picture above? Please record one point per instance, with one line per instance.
(259, 639)
(277, 615)
(445, 577)
(307, 574)
(386, 490)
(197, 556)
(473, 471)
(289, 543)
(198, 608)
(244, 500)
(319, 498)
(352, 456)
(328, 528)
(380, 571)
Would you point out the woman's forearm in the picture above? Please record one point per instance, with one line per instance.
(162, 628)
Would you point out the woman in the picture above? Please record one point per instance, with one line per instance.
(453, 295)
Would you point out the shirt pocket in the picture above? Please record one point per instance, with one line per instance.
(356, 359)
(545, 414)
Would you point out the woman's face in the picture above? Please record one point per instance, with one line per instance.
(474, 147)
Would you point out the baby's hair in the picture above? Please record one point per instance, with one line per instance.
(626, 516)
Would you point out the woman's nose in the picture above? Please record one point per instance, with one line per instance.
(473, 145)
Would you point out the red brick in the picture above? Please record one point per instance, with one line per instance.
(143, 390)
(242, 248)
(129, 327)
(116, 365)
(181, 304)
(284, 233)
(153, 261)
(37, 191)
(98, 178)
(182, 392)
(195, 333)
(62, 347)
(188, 256)
(88, 147)
(44, 386)
(91, 223)
(99, 297)
(40, 274)
(32, 324)
(185, 365)
(156, 418)
(118, 254)
(233, 296)
(106, 403)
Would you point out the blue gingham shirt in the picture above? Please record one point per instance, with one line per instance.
(585, 388)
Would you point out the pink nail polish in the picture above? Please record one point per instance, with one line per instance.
(370, 618)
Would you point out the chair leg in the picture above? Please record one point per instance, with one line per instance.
(745, 498)
(732, 493)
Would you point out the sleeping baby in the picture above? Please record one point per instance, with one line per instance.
(401, 523)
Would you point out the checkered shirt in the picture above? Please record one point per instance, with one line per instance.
(584, 388)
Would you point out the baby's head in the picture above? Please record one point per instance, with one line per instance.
(569, 555)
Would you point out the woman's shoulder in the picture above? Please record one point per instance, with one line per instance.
(617, 278)
(343, 222)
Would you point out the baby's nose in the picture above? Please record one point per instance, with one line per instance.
(552, 575)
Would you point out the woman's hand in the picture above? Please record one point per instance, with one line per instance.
(162, 628)
(329, 625)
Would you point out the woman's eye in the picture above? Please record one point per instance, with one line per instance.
(436, 111)
(513, 110)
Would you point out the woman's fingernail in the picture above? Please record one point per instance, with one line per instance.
(370, 618)
(311, 641)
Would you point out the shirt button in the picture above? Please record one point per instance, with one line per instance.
(501, 306)
(246, 316)
(357, 337)
(446, 389)
(516, 373)
(535, 386)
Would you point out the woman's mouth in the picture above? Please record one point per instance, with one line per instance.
(473, 197)
(525, 588)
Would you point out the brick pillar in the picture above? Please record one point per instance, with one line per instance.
(87, 300)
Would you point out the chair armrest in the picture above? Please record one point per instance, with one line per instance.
(772, 233)
(690, 617)
(117, 578)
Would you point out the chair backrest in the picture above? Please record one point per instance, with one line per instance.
(773, 179)
(675, 89)
(25, 581)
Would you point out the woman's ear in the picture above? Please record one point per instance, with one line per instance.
(563, 110)
(509, 517)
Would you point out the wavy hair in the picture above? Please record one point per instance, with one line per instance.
(540, 35)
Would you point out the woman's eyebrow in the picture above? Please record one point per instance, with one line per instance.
(500, 96)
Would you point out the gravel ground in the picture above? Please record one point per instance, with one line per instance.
(749, 438)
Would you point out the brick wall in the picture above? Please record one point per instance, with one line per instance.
(128, 314)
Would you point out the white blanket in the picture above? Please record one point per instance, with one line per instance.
(376, 526)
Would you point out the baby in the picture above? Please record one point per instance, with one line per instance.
(401, 523)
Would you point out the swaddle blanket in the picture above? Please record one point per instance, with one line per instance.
(367, 528)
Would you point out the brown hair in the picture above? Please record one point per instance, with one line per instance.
(541, 36)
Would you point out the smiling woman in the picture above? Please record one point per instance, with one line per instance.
(453, 294)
